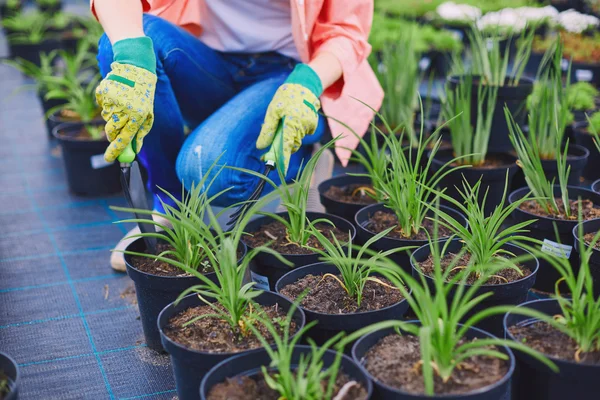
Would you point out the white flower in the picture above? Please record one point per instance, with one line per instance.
(506, 19)
(576, 22)
(451, 11)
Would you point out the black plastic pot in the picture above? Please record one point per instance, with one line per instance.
(190, 366)
(11, 370)
(585, 72)
(155, 292)
(6, 11)
(387, 243)
(31, 52)
(544, 229)
(514, 97)
(46, 106)
(535, 381)
(87, 172)
(492, 179)
(330, 325)
(51, 9)
(339, 208)
(596, 186)
(512, 293)
(266, 269)
(55, 119)
(591, 171)
(497, 391)
(591, 226)
(250, 365)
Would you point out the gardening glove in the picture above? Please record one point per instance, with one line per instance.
(126, 95)
(296, 103)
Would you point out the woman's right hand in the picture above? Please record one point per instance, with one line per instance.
(126, 95)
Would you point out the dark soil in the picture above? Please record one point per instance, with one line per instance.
(327, 296)
(346, 194)
(589, 238)
(394, 361)
(274, 235)
(81, 134)
(214, 335)
(544, 338)
(255, 388)
(492, 161)
(157, 267)
(509, 274)
(382, 220)
(588, 209)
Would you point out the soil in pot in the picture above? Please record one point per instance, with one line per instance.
(506, 275)
(327, 296)
(544, 338)
(255, 388)
(4, 385)
(352, 194)
(589, 238)
(275, 235)
(382, 220)
(214, 335)
(394, 361)
(588, 209)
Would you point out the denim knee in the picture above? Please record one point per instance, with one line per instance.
(105, 55)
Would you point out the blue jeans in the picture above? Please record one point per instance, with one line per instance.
(222, 98)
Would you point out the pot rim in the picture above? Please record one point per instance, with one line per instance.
(533, 273)
(595, 186)
(554, 359)
(283, 213)
(484, 389)
(324, 314)
(360, 226)
(228, 354)
(17, 371)
(506, 154)
(517, 192)
(67, 126)
(578, 240)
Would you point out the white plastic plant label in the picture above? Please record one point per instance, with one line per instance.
(98, 161)
(262, 282)
(424, 63)
(564, 64)
(584, 75)
(457, 33)
(557, 249)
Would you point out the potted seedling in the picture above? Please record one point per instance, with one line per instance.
(49, 6)
(489, 67)
(554, 204)
(28, 36)
(570, 337)
(485, 242)
(9, 378)
(185, 241)
(287, 370)
(582, 98)
(10, 8)
(585, 135)
(341, 292)
(437, 356)
(288, 233)
(212, 320)
(84, 29)
(405, 187)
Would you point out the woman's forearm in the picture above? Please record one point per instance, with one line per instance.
(328, 67)
(121, 19)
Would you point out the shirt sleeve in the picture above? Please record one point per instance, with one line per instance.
(342, 29)
(145, 7)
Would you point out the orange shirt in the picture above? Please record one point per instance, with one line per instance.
(340, 27)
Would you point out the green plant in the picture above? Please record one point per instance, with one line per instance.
(30, 28)
(470, 142)
(530, 161)
(88, 30)
(484, 236)
(593, 128)
(581, 96)
(442, 338)
(13, 4)
(294, 198)
(35, 72)
(491, 64)
(47, 3)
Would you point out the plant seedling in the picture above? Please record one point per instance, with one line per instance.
(581, 96)
(35, 72)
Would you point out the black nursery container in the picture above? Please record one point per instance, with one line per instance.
(591, 226)
(340, 208)
(492, 179)
(514, 97)
(596, 186)
(387, 243)
(155, 292)
(87, 172)
(250, 365)
(11, 370)
(46, 106)
(591, 171)
(535, 381)
(31, 51)
(497, 391)
(512, 293)
(190, 366)
(585, 72)
(7, 12)
(330, 325)
(266, 269)
(544, 228)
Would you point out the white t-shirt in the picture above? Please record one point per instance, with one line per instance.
(249, 26)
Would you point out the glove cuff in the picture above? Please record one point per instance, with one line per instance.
(307, 77)
(138, 52)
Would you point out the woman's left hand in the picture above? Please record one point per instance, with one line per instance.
(297, 100)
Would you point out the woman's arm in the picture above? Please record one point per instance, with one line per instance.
(328, 67)
(121, 19)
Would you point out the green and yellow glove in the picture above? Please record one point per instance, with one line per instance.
(298, 101)
(126, 95)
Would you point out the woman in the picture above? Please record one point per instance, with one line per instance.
(230, 71)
